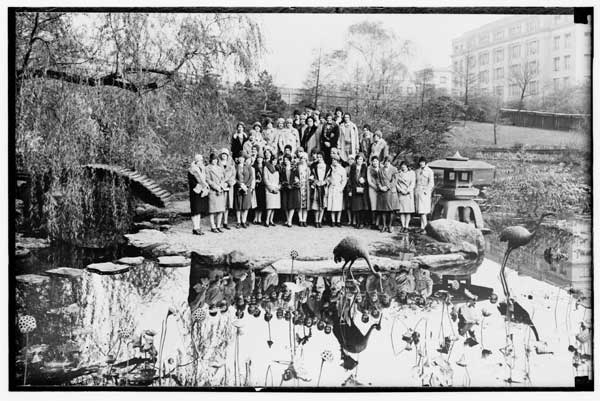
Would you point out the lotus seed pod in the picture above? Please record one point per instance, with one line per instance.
(26, 324)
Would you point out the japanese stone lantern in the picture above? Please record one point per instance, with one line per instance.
(457, 191)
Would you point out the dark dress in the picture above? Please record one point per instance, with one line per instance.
(237, 146)
(319, 192)
(360, 193)
(331, 134)
(261, 197)
(198, 204)
(290, 190)
(242, 200)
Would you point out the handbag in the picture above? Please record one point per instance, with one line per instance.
(360, 190)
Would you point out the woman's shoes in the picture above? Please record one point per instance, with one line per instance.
(266, 224)
(289, 225)
(197, 232)
(382, 229)
(389, 229)
(338, 224)
(244, 225)
(226, 226)
(214, 230)
(238, 225)
(219, 230)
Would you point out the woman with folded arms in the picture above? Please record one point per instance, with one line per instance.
(387, 198)
(405, 183)
(216, 195)
(320, 173)
(227, 163)
(198, 192)
(271, 184)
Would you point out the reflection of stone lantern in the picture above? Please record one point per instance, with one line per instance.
(457, 191)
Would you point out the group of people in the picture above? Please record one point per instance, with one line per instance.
(308, 163)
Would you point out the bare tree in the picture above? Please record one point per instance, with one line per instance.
(522, 75)
(423, 79)
(466, 79)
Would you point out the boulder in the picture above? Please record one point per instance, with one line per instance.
(132, 261)
(173, 261)
(146, 238)
(32, 279)
(467, 238)
(65, 272)
(107, 268)
(159, 220)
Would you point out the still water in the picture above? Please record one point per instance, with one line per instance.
(154, 326)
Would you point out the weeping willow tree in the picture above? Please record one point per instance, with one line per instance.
(115, 89)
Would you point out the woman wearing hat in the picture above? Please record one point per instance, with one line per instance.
(238, 140)
(358, 191)
(244, 183)
(255, 139)
(329, 137)
(405, 182)
(310, 136)
(290, 189)
(372, 177)
(289, 136)
(229, 178)
(387, 198)
(379, 147)
(278, 133)
(269, 134)
(198, 192)
(216, 195)
(320, 172)
(423, 188)
(271, 184)
(335, 193)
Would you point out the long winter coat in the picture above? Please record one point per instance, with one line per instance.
(242, 199)
(335, 194)
(359, 193)
(216, 196)
(319, 186)
(405, 184)
(198, 203)
(271, 182)
(348, 141)
(423, 189)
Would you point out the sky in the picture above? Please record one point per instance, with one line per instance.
(293, 39)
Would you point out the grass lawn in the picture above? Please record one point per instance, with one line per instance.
(476, 134)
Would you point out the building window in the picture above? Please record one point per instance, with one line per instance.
(514, 70)
(531, 26)
(443, 80)
(484, 58)
(515, 30)
(532, 48)
(456, 66)
(409, 90)
(484, 38)
(499, 73)
(514, 90)
(471, 61)
(499, 35)
(533, 69)
(470, 43)
(556, 42)
(556, 84)
(499, 90)
(567, 41)
(567, 63)
(533, 88)
(565, 82)
(484, 77)
(556, 63)
(498, 55)
(515, 51)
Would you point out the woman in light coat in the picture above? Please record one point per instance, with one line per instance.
(372, 175)
(423, 189)
(348, 142)
(271, 183)
(304, 176)
(335, 193)
(216, 196)
(405, 183)
(289, 136)
(229, 178)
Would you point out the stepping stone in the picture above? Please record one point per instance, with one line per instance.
(164, 227)
(32, 279)
(159, 220)
(107, 268)
(173, 261)
(143, 225)
(31, 242)
(67, 272)
(132, 261)
(22, 253)
(146, 238)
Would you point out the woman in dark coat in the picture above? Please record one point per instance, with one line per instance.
(261, 202)
(358, 191)
(244, 182)
(329, 137)
(238, 140)
(198, 192)
(290, 189)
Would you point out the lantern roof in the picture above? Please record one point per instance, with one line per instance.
(460, 163)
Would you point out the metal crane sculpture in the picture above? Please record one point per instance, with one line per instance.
(516, 237)
(349, 249)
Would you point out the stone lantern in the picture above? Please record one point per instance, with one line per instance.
(457, 191)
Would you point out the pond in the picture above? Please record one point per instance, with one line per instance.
(153, 326)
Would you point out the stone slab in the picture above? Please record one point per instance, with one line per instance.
(174, 261)
(132, 261)
(67, 272)
(107, 268)
(32, 279)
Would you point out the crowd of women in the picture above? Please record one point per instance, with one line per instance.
(308, 163)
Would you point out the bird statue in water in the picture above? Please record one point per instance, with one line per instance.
(349, 249)
(516, 237)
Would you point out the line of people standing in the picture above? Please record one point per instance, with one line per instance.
(308, 163)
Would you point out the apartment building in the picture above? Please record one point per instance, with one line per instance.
(549, 52)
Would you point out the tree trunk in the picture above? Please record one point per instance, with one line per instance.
(495, 127)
